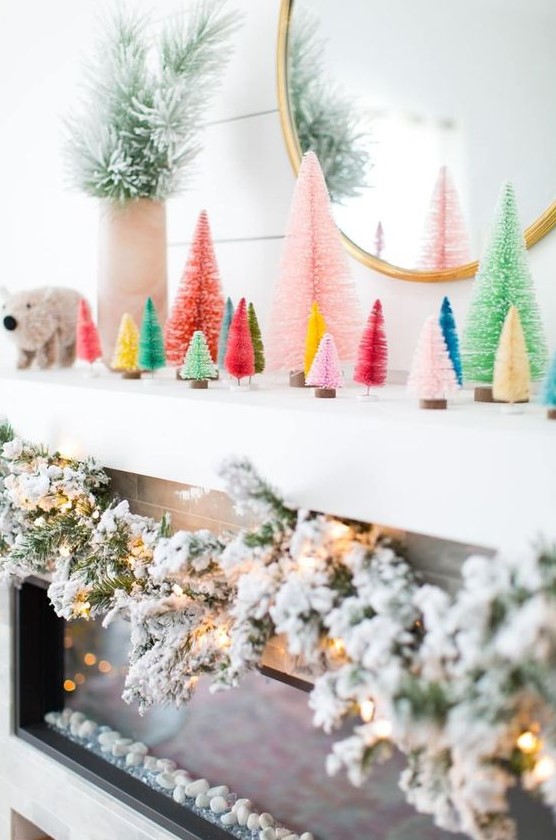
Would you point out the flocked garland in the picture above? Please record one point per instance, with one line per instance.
(465, 687)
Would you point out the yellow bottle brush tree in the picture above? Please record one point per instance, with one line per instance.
(126, 353)
(512, 375)
(316, 328)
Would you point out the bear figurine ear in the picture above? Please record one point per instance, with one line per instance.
(4, 294)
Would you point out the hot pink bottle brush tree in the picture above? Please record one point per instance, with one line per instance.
(326, 373)
(87, 347)
(432, 377)
(372, 357)
(240, 354)
(314, 269)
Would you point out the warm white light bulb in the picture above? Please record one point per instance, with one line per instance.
(528, 742)
(367, 710)
(382, 729)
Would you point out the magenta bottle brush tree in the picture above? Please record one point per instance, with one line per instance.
(432, 377)
(372, 357)
(314, 269)
(326, 373)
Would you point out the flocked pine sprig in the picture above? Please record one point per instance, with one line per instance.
(138, 129)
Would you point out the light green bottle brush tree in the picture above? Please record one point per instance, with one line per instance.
(144, 102)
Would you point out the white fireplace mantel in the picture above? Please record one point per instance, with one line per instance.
(471, 474)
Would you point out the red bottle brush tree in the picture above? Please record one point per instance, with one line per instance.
(199, 303)
(240, 355)
(372, 358)
(87, 338)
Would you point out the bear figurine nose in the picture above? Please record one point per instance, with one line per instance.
(10, 323)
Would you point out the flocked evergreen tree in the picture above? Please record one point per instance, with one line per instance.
(450, 333)
(240, 354)
(126, 352)
(372, 358)
(316, 328)
(198, 364)
(224, 330)
(504, 279)
(548, 391)
(512, 380)
(199, 303)
(151, 342)
(256, 338)
(314, 268)
(445, 239)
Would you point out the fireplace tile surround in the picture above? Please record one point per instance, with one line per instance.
(58, 802)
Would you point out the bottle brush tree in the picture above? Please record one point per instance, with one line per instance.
(432, 377)
(151, 342)
(313, 269)
(512, 379)
(450, 333)
(240, 354)
(224, 330)
(372, 357)
(126, 353)
(548, 391)
(87, 345)
(316, 328)
(198, 365)
(379, 241)
(199, 303)
(256, 338)
(504, 280)
(326, 372)
(445, 240)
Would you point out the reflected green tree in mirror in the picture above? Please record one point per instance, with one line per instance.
(327, 120)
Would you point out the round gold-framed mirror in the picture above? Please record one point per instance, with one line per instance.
(545, 219)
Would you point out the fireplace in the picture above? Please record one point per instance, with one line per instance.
(257, 739)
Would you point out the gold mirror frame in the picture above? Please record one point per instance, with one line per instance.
(533, 233)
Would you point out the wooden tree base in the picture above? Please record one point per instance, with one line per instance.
(433, 404)
(551, 414)
(483, 393)
(131, 374)
(325, 393)
(297, 379)
(198, 384)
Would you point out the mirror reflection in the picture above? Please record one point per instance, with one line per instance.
(418, 110)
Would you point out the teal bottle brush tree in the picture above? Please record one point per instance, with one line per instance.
(151, 341)
(198, 366)
(548, 390)
(504, 280)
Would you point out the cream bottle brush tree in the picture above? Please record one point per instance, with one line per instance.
(512, 378)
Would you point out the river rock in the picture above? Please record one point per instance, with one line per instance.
(166, 765)
(218, 790)
(199, 786)
(306, 836)
(166, 781)
(108, 738)
(119, 749)
(266, 820)
(201, 800)
(139, 747)
(179, 795)
(243, 814)
(253, 821)
(182, 779)
(133, 759)
(87, 729)
(150, 762)
(52, 718)
(218, 804)
(267, 833)
(229, 819)
(282, 832)
(239, 802)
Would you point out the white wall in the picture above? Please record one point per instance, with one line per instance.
(244, 177)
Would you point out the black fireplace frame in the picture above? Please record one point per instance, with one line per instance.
(38, 689)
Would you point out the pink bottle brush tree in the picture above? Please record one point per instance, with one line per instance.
(314, 269)
(240, 354)
(372, 358)
(87, 347)
(326, 373)
(445, 239)
(432, 377)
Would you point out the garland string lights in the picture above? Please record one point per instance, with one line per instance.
(464, 686)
